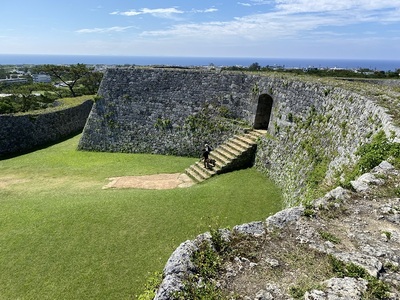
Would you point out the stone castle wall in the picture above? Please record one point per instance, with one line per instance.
(21, 133)
(312, 125)
(315, 128)
(166, 111)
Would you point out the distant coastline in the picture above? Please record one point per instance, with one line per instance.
(20, 59)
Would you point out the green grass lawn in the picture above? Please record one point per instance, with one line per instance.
(64, 237)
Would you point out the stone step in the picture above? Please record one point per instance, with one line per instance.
(239, 143)
(234, 144)
(210, 172)
(231, 150)
(224, 155)
(193, 175)
(199, 173)
(220, 159)
(258, 133)
(247, 139)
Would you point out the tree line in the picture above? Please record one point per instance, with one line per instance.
(320, 72)
(66, 81)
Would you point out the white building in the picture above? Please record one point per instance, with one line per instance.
(44, 78)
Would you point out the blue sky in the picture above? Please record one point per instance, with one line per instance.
(363, 29)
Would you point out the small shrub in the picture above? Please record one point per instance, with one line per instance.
(220, 244)
(318, 173)
(296, 292)
(309, 211)
(371, 155)
(376, 288)
(163, 124)
(201, 285)
(344, 128)
(388, 234)
(225, 112)
(390, 266)
(329, 237)
(396, 191)
(193, 289)
(207, 261)
(255, 89)
(151, 286)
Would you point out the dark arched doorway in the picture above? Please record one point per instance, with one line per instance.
(263, 113)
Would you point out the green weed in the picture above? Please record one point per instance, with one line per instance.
(152, 283)
(329, 237)
(376, 288)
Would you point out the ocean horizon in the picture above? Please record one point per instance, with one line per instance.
(36, 59)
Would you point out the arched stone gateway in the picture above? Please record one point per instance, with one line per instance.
(263, 113)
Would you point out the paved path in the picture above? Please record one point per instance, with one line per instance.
(152, 182)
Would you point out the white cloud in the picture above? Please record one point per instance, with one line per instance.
(104, 30)
(256, 2)
(157, 12)
(310, 25)
(309, 6)
(289, 18)
(208, 10)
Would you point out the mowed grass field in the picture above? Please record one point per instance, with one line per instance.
(64, 237)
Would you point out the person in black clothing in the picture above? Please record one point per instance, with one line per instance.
(208, 162)
(204, 156)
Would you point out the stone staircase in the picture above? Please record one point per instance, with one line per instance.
(234, 154)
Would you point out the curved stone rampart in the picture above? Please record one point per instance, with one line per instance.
(21, 133)
(166, 111)
(315, 125)
(312, 124)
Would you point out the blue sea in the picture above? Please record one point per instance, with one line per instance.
(19, 59)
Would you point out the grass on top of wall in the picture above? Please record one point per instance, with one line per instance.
(64, 237)
(73, 101)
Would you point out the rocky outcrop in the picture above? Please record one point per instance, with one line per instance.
(361, 228)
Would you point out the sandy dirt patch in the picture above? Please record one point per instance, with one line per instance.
(8, 181)
(151, 182)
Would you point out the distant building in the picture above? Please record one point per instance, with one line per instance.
(13, 80)
(41, 78)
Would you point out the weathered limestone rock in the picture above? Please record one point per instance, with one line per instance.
(253, 228)
(370, 263)
(178, 266)
(365, 236)
(284, 217)
(338, 194)
(362, 182)
(339, 289)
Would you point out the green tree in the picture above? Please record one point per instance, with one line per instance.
(3, 73)
(255, 67)
(6, 107)
(91, 82)
(69, 74)
(23, 96)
